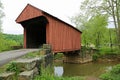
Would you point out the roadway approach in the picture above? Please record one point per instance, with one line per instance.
(8, 56)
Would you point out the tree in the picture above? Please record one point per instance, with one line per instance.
(112, 7)
(92, 22)
(1, 16)
(85, 13)
(90, 8)
(94, 32)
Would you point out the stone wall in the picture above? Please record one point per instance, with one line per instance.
(26, 68)
(77, 57)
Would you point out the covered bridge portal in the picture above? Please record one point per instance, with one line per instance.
(43, 28)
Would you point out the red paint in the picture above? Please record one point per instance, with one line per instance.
(25, 37)
(25, 15)
(62, 36)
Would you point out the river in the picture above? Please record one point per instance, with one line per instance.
(94, 69)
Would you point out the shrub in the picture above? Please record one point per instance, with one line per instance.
(12, 67)
(105, 76)
(114, 74)
(95, 57)
(6, 45)
(116, 69)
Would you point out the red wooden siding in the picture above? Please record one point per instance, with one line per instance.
(62, 36)
(29, 12)
(24, 38)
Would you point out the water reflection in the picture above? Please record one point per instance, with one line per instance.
(89, 69)
(58, 70)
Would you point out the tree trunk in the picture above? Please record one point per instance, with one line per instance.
(118, 21)
(115, 15)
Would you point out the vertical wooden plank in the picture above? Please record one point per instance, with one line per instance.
(63, 37)
(47, 34)
(25, 43)
(29, 12)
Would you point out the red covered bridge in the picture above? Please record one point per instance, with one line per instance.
(41, 27)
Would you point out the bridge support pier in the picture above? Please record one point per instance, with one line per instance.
(76, 57)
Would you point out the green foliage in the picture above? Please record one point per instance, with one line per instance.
(116, 70)
(93, 24)
(32, 55)
(58, 56)
(92, 19)
(114, 74)
(12, 67)
(109, 51)
(110, 33)
(94, 30)
(16, 38)
(105, 50)
(95, 57)
(7, 41)
(106, 76)
(6, 44)
(48, 75)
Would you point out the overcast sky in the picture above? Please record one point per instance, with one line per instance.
(62, 9)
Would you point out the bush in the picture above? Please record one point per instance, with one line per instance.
(114, 74)
(116, 69)
(12, 67)
(6, 45)
(9, 40)
(95, 57)
(106, 76)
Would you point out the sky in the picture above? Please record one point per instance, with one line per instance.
(63, 9)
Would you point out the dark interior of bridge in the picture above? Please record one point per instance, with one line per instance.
(35, 32)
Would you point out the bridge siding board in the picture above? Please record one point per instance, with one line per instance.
(62, 36)
(24, 15)
(24, 38)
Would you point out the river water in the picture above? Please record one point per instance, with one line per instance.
(94, 69)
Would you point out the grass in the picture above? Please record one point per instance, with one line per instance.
(32, 55)
(108, 50)
(47, 74)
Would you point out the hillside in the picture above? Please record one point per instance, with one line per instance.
(17, 38)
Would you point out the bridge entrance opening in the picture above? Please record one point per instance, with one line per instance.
(35, 32)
